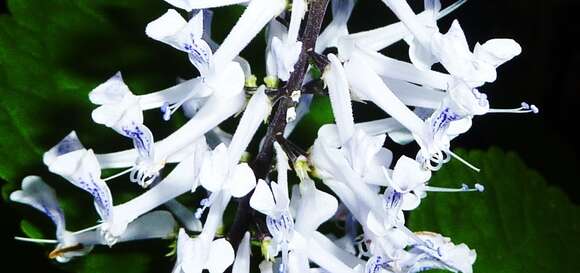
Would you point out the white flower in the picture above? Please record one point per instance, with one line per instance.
(419, 55)
(183, 178)
(304, 245)
(255, 17)
(221, 174)
(364, 153)
(290, 237)
(121, 111)
(274, 204)
(218, 107)
(406, 184)
(276, 31)
(242, 261)
(81, 168)
(341, 11)
(216, 175)
(273, 201)
(226, 79)
(475, 68)
(369, 85)
(452, 49)
(380, 38)
(286, 54)
(220, 170)
(194, 255)
(338, 90)
(172, 29)
(36, 193)
(287, 51)
(442, 254)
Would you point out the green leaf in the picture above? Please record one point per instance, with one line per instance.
(52, 53)
(127, 262)
(31, 230)
(519, 224)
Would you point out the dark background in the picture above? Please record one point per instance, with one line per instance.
(545, 74)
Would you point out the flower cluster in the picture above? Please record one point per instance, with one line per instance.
(370, 190)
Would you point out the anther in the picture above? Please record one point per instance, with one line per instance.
(464, 188)
(525, 108)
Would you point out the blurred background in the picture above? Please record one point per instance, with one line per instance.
(53, 52)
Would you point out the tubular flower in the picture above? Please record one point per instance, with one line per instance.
(348, 180)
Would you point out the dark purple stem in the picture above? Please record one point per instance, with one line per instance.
(277, 121)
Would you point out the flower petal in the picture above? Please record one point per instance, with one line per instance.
(82, 169)
(255, 17)
(469, 100)
(220, 256)
(242, 262)
(68, 144)
(341, 11)
(200, 55)
(365, 81)
(111, 91)
(410, 201)
(242, 180)
(497, 51)
(307, 219)
(375, 225)
(282, 167)
(286, 54)
(39, 195)
(420, 56)
(256, 111)
(171, 29)
(414, 95)
(281, 196)
(339, 93)
(262, 199)
(212, 171)
(408, 174)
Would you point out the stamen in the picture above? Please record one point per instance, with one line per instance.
(118, 174)
(433, 164)
(411, 235)
(525, 108)
(166, 111)
(198, 213)
(169, 109)
(463, 161)
(205, 203)
(145, 172)
(87, 229)
(143, 176)
(464, 188)
(450, 9)
(38, 241)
